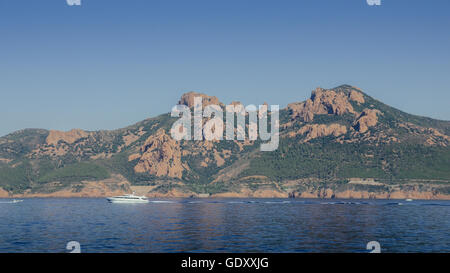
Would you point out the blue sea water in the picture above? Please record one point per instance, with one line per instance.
(224, 225)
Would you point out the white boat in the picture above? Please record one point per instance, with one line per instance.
(409, 200)
(16, 201)
(128, 198)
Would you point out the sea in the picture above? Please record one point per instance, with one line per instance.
(93, 225)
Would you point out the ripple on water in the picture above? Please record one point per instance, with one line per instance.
(225, 225)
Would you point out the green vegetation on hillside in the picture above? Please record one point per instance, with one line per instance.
(75, 173)
(16, 179)
(325, 159)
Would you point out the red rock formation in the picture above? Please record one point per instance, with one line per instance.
(368, 118)
(188, 99)
(320, 130)
(356, 96)
(321, 102)
(161, 156)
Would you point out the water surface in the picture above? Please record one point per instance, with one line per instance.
(224, 225)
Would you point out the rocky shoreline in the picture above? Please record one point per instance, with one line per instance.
(354, 189)
(323, 194)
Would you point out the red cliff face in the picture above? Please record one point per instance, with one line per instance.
(322, 101)
(161, 156)
(368, 118)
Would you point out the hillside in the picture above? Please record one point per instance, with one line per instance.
(339, 143)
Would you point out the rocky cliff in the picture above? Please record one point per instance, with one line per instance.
(161, 156)
(331, 144)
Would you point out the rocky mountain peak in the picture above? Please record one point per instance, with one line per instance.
(335, 134)
(188, 99)
(322, 101)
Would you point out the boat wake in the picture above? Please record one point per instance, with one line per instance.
(11, 201)
(162, 202)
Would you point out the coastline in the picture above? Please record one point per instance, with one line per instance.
(117, 185)
(346, 195)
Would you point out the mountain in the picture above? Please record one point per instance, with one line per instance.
(339, 143)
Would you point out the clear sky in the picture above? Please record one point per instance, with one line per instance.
(110, 63)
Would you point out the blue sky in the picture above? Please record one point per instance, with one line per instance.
(108, 64)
